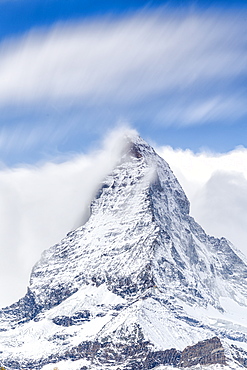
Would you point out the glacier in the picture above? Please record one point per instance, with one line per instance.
(140, 285)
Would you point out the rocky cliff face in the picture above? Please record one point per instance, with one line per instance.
(139, 285)
(207, 352)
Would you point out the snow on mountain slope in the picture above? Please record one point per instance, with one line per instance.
(134, 286)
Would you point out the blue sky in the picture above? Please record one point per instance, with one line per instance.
(70, 71)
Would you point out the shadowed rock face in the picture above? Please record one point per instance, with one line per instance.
(142, 356)
(239, 355)
(207, 352)
(139, 356)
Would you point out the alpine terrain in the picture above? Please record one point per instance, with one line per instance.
(139, 286)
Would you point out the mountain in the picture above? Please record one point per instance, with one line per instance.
(138, 286)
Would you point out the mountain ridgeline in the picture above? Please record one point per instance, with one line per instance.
(139, 285)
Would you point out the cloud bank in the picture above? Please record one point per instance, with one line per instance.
(40, 205)
(193, 62)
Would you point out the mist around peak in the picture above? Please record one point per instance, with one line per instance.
(42, 203)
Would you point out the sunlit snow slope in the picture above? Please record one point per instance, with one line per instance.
(134, 286)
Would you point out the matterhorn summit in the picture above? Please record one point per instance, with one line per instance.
(139, 286)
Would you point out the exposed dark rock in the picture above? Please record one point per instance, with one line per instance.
(134, 151)
(23, 310)
(76, 319)
(142, 356)
(239, 355)
(136, 356)
(207, 352)
(168, 357)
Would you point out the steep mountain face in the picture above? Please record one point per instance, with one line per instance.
(139, 285)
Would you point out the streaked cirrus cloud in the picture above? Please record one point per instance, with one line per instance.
(183, 69)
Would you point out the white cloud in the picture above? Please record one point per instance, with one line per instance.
(39, 205)
(128, 60)
(216, 185)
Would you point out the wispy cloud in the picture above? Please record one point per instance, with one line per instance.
(194, 61)
(216, 109)
(20, 137)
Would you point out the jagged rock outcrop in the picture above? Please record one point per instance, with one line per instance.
(138, 285)
(207, 352)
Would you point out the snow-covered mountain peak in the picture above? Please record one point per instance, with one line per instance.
(140, 166)
(140, 235)
(140, 273)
